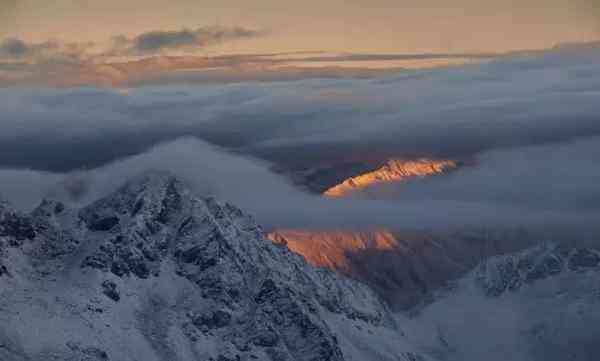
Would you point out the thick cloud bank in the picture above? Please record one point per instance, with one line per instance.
(530, 123)
(453, 112)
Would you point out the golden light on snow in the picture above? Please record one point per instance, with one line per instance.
(392, 172)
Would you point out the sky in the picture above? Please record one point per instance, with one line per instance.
(67, 43)
(332, 25)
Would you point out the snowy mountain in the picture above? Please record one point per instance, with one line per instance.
(540, 304)
(153, 272)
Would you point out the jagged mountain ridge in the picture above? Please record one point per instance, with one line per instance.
(542, 303)
(153, 272)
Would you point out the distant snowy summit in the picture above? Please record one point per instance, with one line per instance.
(541, 304)
(393, 171)
(153, 272)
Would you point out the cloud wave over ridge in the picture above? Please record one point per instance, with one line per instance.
(503, 114)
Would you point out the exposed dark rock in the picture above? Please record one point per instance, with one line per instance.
(95, 353)
(583, 258)
(266, 338)
(171, 203)
(121, 259)
(200, 256)
(217, 319)
(277, 355)
(3, 270)
(17, 227)
(268, 291)
(119, 268)
(59, 208)
(109, 288)
(102, 224)
(87, 353)
(99, 261)
(137, 207)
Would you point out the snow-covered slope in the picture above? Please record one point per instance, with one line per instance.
(153, 272)
(541, 304)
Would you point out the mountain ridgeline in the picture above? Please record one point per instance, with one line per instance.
(153, 272)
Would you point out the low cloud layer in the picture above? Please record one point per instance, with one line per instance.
(276, 203)
(529, 123)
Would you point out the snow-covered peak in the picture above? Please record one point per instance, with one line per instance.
(181, 277)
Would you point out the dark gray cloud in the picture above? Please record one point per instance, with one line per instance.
(154, 42)
(453, 112)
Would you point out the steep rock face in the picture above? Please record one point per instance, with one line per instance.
(152, 272)
(393, 171)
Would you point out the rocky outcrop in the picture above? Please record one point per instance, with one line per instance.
(510, 272)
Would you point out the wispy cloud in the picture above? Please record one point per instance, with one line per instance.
(17, 50)
(145, 44)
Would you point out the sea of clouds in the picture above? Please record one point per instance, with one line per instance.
(529, 125)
